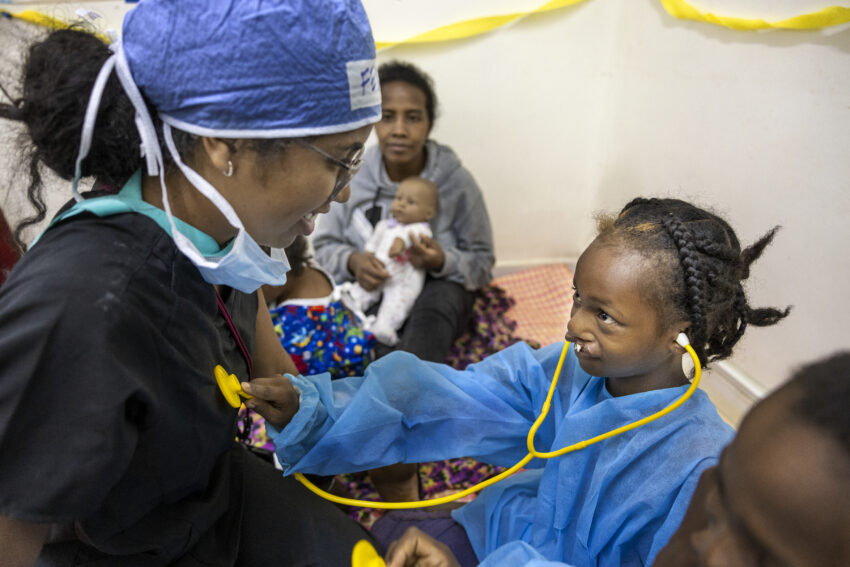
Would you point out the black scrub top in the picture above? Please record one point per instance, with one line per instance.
(110, 416)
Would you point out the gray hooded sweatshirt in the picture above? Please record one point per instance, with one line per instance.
(461, 225)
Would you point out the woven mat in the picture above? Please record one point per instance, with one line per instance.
(543, 299)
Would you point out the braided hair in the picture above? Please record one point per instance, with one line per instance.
(702, 269)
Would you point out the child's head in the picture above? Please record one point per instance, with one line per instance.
(661, 267)
(416, 200)
(779, 495)
(699, 269)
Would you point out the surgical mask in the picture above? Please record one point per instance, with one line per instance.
(242, 264)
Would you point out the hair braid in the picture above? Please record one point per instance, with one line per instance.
(721, 342)
(713, 248)
(694, 280)
(637, 201)
(704, 284)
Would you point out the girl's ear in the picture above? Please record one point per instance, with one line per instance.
(673, 333)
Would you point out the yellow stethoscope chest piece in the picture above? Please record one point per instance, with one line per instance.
(229, 386)
(364, 555)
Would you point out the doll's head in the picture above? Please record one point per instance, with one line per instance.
(416, 200)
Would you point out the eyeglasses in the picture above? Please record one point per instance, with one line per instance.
(347, 169)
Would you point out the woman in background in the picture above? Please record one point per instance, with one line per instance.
(460, 256)
(458, 259)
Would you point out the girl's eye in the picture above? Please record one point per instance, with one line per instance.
(605, 318)
(575, 294)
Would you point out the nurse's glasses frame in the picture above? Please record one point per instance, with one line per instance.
(347, 169)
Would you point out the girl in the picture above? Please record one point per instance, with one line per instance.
(116, 445)
(662, 267)
(778, 497)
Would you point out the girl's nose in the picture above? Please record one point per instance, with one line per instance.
(576, 326)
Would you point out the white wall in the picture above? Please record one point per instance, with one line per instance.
(581, 109)
(564, 114)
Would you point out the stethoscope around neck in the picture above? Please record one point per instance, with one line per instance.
(363, 554)
(232, 391)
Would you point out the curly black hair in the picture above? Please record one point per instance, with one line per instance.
(58, 76)
(701, 270)
(412, 75)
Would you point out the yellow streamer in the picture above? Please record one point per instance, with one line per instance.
(832, 16)
(40, 19)
(475, 26)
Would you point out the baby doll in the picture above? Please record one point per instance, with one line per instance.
(415, 203)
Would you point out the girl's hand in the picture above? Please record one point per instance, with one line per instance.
(417, 549)
(275, 398)
(367, 269)
(426, 253)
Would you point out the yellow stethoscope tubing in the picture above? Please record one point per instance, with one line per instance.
(532, 452)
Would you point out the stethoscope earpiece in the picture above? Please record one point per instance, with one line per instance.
(682, 340)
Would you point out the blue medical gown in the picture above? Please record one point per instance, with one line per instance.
(614, 503)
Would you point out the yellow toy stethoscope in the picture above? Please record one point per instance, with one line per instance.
(364, 555)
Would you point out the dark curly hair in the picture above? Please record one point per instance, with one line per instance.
(700, 273)
(58, 77)
(412, 75)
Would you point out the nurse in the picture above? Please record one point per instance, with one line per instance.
(226, 126)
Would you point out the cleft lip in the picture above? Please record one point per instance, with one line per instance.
(569, 337)
(580, 347)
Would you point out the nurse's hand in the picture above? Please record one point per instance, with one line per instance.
(275, 398)
(367, 269)
(426, 253)
(415, 548)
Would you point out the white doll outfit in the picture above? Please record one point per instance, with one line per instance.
(400, 290)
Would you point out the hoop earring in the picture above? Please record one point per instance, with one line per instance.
(229, 171)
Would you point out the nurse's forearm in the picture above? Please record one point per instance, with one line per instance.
(21, 542)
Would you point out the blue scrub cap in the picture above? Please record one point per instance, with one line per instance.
(255, 68)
